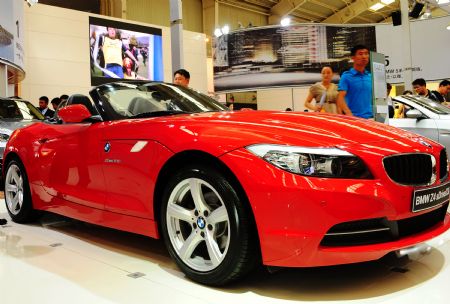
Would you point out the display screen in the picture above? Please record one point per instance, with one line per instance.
(122, 50)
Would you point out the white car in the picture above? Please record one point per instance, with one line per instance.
(423, 116)
(15, 114)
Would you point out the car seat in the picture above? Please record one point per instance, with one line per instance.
(84, 100)
(140, 105)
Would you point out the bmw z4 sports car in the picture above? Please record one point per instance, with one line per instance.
(227, 190)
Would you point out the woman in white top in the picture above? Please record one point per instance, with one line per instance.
(324, 93)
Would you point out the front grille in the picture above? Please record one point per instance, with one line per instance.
(380, 230)
(443, 167)
(409, 169)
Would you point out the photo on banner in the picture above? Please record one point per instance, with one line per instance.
(279, 56)
(120, 50)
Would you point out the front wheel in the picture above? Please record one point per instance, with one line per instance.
(206, 227)
(17, 193)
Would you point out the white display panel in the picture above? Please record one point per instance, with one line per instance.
(430, 44)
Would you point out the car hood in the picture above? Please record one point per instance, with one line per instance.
(224, 131)
(8, 126)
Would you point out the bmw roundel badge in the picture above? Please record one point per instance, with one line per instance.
(107, 147)
(424, 143)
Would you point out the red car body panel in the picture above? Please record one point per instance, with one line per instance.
(71, 174)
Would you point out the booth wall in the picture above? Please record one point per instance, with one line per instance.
(280, 99)
(57, 55)
(430, 44)
(158, 12)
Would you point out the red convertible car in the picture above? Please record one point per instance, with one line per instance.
(229, 190)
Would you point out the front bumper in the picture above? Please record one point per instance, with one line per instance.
(293, 213)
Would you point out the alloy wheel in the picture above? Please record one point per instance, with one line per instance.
(14, 189)
(198, 224)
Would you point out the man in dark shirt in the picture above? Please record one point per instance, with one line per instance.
(420, 86)
(43, 107)
(443, 89)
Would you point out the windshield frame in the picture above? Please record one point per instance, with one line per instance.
(175, 100)
(426, 103)
(26, 110)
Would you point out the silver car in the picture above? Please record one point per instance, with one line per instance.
(15, 114)
(423, 116)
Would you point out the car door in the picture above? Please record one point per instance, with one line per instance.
(443, 124)
(131, 163)
(425, 126)
(69, 161)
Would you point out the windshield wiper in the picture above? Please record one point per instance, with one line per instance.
(159, 113)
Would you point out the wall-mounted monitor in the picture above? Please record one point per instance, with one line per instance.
(121, 50)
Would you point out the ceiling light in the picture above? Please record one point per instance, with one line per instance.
(285, 21)
(218, 32)
(448, 26)
(376, 6)
(225, 29)
(387, 2)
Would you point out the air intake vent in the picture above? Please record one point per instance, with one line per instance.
(381, 230)
(410, 169)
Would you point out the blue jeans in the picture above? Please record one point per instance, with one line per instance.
(115, 68)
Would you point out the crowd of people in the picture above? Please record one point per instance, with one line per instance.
(44, 103)
(353, 94)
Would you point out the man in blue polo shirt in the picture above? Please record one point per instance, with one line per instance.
(355, 86)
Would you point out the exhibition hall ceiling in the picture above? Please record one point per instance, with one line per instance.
(300, 11)
(334, 11)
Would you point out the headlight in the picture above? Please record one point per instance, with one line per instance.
(4, 137)
(319, 162)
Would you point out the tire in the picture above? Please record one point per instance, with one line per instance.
(17, 193)
(210, 237)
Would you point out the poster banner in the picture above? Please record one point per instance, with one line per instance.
(11, 32)
(284, 56)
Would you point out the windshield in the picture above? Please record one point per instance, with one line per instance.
(133, 100)
(429, 104)
(17, 109)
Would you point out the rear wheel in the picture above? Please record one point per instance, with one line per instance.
(206, 227)
(17, 193)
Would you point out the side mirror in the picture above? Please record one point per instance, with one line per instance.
(74, 113)
(413, 113)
